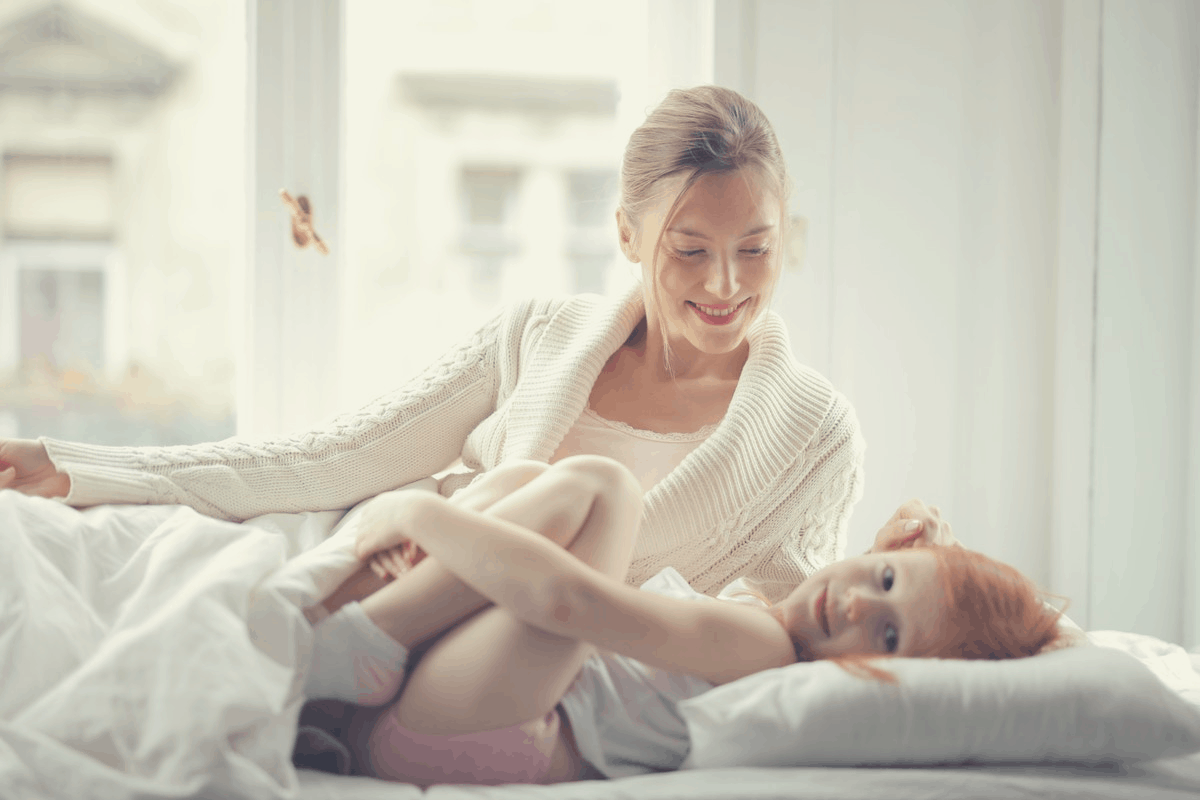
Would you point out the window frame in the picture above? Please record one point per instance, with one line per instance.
(291, 303)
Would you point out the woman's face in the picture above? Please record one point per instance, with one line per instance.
(878, 604)
(719, 256)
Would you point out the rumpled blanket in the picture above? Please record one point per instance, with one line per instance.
(154, 652)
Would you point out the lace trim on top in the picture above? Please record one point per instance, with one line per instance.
(694, 436)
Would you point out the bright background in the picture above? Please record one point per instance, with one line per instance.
(999, 200)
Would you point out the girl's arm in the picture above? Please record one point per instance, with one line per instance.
(547, 587)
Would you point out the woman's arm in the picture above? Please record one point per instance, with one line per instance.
(547, 587)
(407, 434)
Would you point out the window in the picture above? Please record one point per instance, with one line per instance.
(489, 199)
(382, 113)
(482, 141)
(591, 247)
(121, 220)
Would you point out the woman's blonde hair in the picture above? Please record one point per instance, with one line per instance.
(693, 133)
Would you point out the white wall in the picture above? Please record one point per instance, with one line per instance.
(1144, 308)
(1001, 271)
(921, 138)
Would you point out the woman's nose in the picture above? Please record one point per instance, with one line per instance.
(723, 277)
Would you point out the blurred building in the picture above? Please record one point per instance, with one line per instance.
(113, 303)
(480, 160)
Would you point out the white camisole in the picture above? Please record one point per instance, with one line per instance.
(649, 456)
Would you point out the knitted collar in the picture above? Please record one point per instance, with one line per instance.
(776, 409)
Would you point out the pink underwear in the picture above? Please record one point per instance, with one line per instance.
(505, 755)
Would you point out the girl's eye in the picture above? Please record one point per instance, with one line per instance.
(889, 577)
(688, 253)
(761, 251)
(891, 639)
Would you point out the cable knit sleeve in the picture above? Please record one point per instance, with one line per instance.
(809, 526)
(405, 435)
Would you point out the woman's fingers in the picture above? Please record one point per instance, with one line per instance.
(915, 524)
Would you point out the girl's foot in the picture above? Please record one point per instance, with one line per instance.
(353, 660)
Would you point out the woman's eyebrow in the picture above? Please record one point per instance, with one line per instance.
(696, 234)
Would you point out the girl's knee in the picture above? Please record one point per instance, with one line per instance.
(604, 474)
(518, 470)
(501, 480)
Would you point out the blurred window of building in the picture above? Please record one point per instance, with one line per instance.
(122, 218)
(482, 139)
(489, 200)
(58, 221)
(591, 247)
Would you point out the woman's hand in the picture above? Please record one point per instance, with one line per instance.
(25, 466)
(914, 525)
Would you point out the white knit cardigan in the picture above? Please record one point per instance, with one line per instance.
(767, 495)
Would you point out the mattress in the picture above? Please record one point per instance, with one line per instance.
(1167, 779)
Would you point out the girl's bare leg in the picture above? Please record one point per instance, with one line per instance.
(493, 670)
(445, 599)
(441, 599)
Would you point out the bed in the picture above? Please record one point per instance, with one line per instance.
(149, 651)
(1162, 780)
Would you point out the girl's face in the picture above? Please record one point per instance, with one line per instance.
(878, 604)
(719, 256)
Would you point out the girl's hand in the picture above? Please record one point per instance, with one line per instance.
(383, 541)
(914, 525)
(25, 466)
(393, 563)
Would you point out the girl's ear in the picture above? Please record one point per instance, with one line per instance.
(625, 232)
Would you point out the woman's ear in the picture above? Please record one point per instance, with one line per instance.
(625, 232)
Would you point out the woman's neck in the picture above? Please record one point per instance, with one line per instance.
(686, 362)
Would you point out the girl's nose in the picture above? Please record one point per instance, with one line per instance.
(857, 605)
(853, 607)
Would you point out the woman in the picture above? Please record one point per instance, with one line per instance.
(751, 462)
(521, 659)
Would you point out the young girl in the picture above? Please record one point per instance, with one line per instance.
(482, 705)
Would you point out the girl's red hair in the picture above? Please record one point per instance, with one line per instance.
(995, 612)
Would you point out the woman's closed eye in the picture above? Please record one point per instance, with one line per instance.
(756, 252)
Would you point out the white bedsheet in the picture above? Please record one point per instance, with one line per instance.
(151, 651)
(1175, 779)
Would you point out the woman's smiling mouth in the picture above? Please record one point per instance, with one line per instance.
(717, 315)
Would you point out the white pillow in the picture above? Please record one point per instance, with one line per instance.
(1082, 704)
